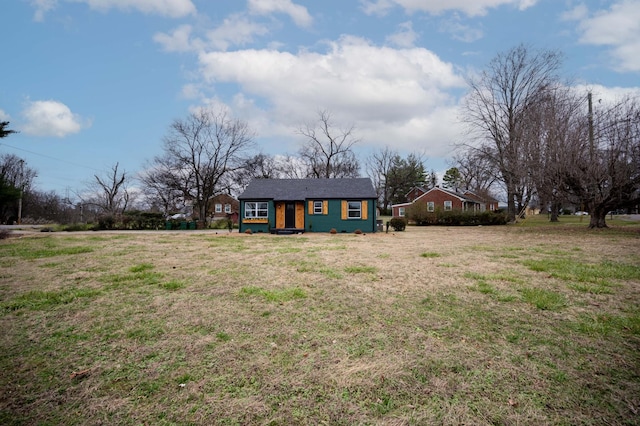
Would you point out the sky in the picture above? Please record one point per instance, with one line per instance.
(92, 83)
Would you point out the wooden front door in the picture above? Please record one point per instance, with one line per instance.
(290, 215)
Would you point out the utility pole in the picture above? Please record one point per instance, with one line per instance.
(591, 150)
(590, 118)
(21, 191)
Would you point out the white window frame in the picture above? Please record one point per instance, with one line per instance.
(401, 211)
(318, 207)
(218, 208)
(227, 208)
(448, 205)
(354, 209)
(431, 206)
(256, 210)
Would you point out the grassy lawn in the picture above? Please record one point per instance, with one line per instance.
(534, 323)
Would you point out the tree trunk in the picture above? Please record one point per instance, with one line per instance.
(554, 212)
(598, 218)
(511, 206)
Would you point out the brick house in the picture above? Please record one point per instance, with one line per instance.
(440, 199)
(223, 206)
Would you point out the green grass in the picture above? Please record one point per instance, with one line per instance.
(238, 329)
(360, 269)
(276, 295)
(594, 278)
(40, 300)
(32, 252)
(430, 254)
(544, 299)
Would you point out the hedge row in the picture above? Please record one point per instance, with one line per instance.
(459, 218)
(131, 220)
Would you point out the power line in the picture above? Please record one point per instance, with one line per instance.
(52, 158)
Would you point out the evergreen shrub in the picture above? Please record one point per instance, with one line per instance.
(398, 223)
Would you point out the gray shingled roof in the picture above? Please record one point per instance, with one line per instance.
(302, 189)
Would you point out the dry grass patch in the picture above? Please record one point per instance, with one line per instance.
(498, 325)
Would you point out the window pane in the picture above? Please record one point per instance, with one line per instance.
(249, 209)
(354, 209)
(262, 210)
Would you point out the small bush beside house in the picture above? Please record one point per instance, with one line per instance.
(398, 223)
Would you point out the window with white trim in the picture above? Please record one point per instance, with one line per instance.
(354, 209)
(317, 207)
(256, 210)
(227, 208)
(218, 208)
(431, 206)
(401, 211)
(448, 205)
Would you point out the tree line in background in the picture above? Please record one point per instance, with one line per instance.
(532, 138)
(544, 142)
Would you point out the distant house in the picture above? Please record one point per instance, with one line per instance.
(308, 205)
(485, 202)
(440, 199)
(224, 206)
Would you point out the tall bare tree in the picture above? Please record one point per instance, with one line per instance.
(498, 112)
(605, 166)
(328, 151)
(379, 165)
(477, 172)
(556, 128)
(203, 151)
(164, 184)
(109, 193)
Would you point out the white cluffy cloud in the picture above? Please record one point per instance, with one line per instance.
(236, 30)
(51, 118)
(617, 27)
(298, 14)
(468, 7)
(42, 7)
(395, 97)
(170, 8)
(405, 36)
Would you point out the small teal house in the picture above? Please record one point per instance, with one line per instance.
(308, 205)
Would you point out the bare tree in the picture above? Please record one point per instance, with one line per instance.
(328, 151)
(497, 110)
(605, 166)
(203, 151)
(556, 126)
(259, 166)
(476, 171)
(292, 167)
(379, 165)
(163, 183)
(109, 193)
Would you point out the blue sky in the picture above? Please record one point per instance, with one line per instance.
(92, 83)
